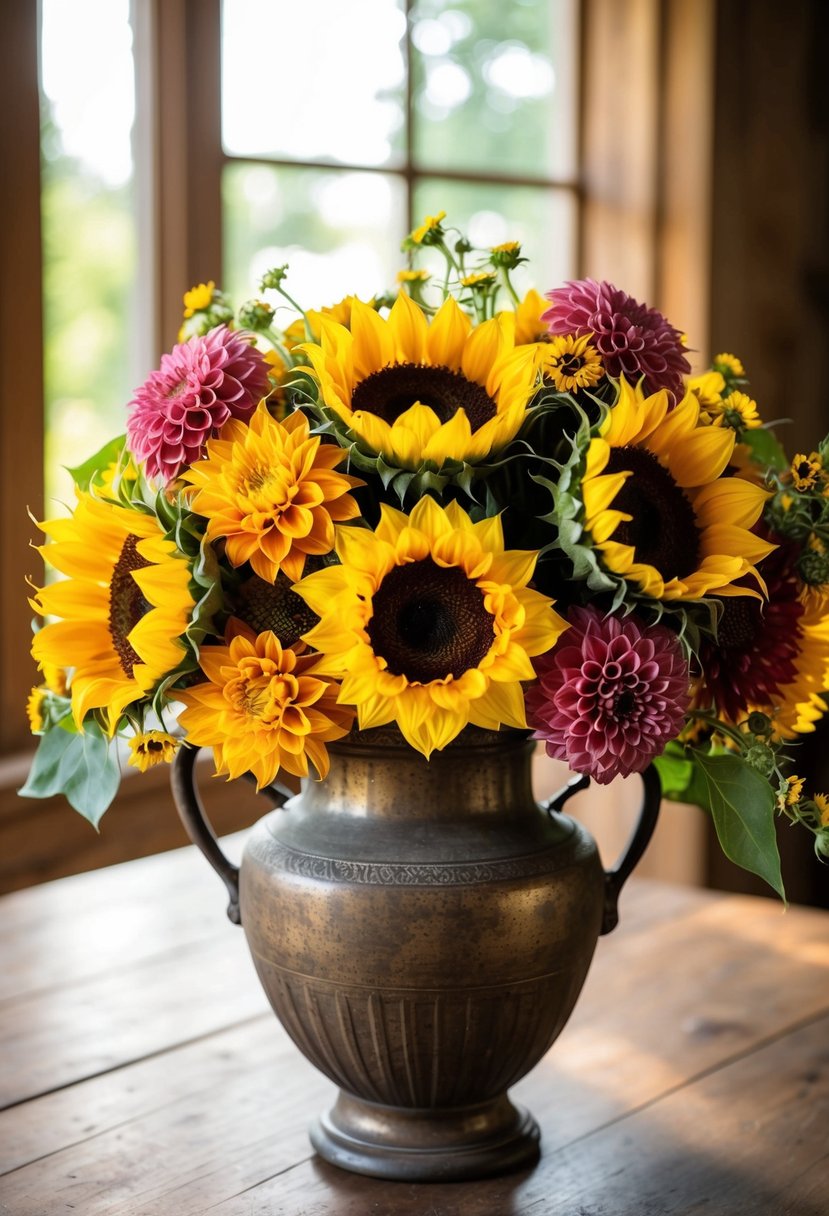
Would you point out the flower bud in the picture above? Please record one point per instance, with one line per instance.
(256, 315)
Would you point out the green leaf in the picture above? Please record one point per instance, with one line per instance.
(765, 448)
(742, 806)
(675, 774)
(80, 766)
(84, 474)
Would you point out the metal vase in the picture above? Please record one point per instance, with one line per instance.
(422, 930)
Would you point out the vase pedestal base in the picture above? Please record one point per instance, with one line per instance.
(445, 1145)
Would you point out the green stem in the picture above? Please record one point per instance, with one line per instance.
(508, 284)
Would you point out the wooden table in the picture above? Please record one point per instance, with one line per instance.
(141, 1071)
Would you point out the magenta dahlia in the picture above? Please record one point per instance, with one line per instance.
(200, 384)
(633, 340)
(609, 695)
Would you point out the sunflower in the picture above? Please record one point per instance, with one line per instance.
(263, 708)
(122, 610)
(430, 622)
(657, 507)
(418, 394)
(529, 327)
(150, 748)
(571, 363)
(270, 491)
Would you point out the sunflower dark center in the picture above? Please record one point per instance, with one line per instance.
(389, 392)
(429, 622)
(663, 528)
(276, 606)
(127, 604)
(570, 364)
(740, 623)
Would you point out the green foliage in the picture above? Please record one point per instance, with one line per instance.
(85, 474)
(741, 803)
(765, 448)
(79, 765)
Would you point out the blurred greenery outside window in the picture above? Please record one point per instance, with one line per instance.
(386, 112)
(467, 106)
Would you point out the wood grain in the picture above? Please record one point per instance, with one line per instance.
(204, 1102)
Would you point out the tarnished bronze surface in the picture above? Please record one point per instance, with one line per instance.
(422, 930)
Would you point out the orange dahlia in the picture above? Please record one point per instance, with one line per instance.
(270, 490)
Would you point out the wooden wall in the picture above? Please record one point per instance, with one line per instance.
(770, 272)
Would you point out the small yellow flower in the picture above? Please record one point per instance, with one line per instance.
(786, 502)
(821, 801)
(152, 748)
(739, 411)
(198, 298)
(34, 710)
(571, 362)
(806, 470)
(480, 278)
(413, 276)
(728, 365)
(708, 390)
(429, 229)
(506, 256)
(794, 790)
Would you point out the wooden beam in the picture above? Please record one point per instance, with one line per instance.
(21, 359)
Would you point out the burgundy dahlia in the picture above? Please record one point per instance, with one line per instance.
(609, 695)
(758, 642)
(200, 384)
(633, 340)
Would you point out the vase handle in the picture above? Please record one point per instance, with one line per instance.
(616, 878)
(191, 812)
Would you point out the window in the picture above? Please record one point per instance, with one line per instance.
(387, 112)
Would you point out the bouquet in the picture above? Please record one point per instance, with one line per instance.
(447, 506)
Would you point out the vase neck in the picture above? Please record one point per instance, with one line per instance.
(491, 778)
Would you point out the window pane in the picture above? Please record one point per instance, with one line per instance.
(313, 82)
(339, 231)
(89, 235)
(494, 86)
(544, 221)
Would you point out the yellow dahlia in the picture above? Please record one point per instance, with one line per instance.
(123, 608)
(263, 708)
(150, 748)
(431, 623)
(270, 491)
(417, 393)
(657, 506)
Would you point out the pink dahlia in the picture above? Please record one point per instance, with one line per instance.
(200, 384)
(609, 695)
(632, 339)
